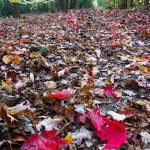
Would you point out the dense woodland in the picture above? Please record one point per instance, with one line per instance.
(17, 7)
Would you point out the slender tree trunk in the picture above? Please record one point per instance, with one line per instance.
(146, 3)
(63, 5)
(131, 3)
(16, 13)
(123, 4)
(52, 6)
(114, 3)
(73, 4)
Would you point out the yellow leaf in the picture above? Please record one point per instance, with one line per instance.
(68, 138)
(6, 84)
(16, 59)
(144, 69)
(107, 82)
(34, 54)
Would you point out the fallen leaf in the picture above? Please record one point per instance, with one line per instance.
(132, 84)
(32, 76)
(48, 124)
(68, 138)
(113, 133)
(145, 137)
(117, 116)
(48, 140)
(50, 84)
(7, 84)
(108, 91)
(63, 94)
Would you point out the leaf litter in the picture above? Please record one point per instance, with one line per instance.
(78, 80)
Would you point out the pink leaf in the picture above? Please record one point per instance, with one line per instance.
(48, 140)
(108, 91)
(114, 134)
(97, 119)
(62, 94)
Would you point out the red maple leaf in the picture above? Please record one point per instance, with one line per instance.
(47, 140)
(113, 133)
(108, 91)
(97, 119)
(110, 131)
(62, 94)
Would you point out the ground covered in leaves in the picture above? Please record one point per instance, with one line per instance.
(76, 81)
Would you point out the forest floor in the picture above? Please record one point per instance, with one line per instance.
(78, 81)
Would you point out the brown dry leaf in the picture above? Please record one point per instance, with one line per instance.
(132, 84)
(44, 62)
(69, 110)
(25, 41)
(6, 59)
(136, 114)
(85, 94)
(145, 104)
(7, 118)
(143, 58)
(11, 74)
(15, 59)
(20, 109)
(11, 58)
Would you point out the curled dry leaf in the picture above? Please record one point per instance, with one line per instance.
(117, 116)
(50, 84)
(32, 76)
(11, 58)
(145, 137)
(48, 124)
(81, 134)
(20, 108)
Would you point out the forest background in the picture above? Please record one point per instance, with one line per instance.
(17, 7)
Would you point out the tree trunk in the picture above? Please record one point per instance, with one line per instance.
(73, 4)
(52, 6)
(131, 3)
(16, 12)
(146, 3)
(63, 4)
(123, 4)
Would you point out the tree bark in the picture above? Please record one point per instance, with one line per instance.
(73, 4)
(123, 4)
(131, 3)
(16, 13)
(146, 3)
